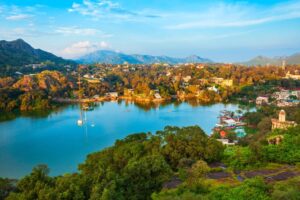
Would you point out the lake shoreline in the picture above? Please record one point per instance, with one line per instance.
(39, 138)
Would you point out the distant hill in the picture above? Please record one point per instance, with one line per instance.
(112, 57)
(263, 60)
(20, 53)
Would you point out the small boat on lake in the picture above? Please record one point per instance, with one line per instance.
(80, 122)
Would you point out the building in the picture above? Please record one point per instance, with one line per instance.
(227, 142)
(213, 88)
(187, 79)
(281, 95)
(292, 76)
(227, 83)
(281, 122)
(157, 96)
(112, 95)
(262, 100)
(217, 80)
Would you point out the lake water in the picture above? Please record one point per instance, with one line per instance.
(57, 141)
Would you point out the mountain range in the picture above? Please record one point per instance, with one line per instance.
(263, 60)
(113, 57)
(20, 53)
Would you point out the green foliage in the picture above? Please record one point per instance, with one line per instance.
(6, 186)
(197, 172)
(132, 169)
(190, 143)
(287, 190)
(34, 186)
(238, 157)
(249, 189)
(288, 150)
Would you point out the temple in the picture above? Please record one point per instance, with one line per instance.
(281, 122)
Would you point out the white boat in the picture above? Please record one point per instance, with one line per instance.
(79, 122)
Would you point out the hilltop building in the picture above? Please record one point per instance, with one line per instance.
(281, 122)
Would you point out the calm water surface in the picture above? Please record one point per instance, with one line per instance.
(57, 141)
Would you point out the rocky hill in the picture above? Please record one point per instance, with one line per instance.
(51, 81)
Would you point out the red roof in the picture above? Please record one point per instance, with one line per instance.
(223, 134)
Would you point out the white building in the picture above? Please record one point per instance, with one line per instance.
(226, 142)
(262, 100)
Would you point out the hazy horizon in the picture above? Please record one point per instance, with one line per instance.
(223, 31)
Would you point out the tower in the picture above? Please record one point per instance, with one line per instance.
(283, 64)
(282, 116)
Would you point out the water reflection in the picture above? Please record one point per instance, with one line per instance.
(54, 138)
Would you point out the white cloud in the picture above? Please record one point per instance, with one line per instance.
(237, 15)
(100, 9)
(22, 32)
(94, 9)
(18, 17)
(84, 47)
(76, 31)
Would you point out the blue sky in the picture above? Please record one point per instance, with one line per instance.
(224, 31)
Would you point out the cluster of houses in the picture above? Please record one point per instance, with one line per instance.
(282, 98)
(211, 84)
(229, 121)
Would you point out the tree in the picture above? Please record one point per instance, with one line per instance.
(198, 171)
(34, 186)
(188, 142)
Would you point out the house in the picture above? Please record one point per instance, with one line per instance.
(281, 122)
(200, 66)
(157, 96)
(96, 97)
(187, 78)
(262, 100)
(213, 88)
(227, 142)
(229, 122)
(112, 95)
(86, 76)
(217, 80)
(281, 95)
(227, 83)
